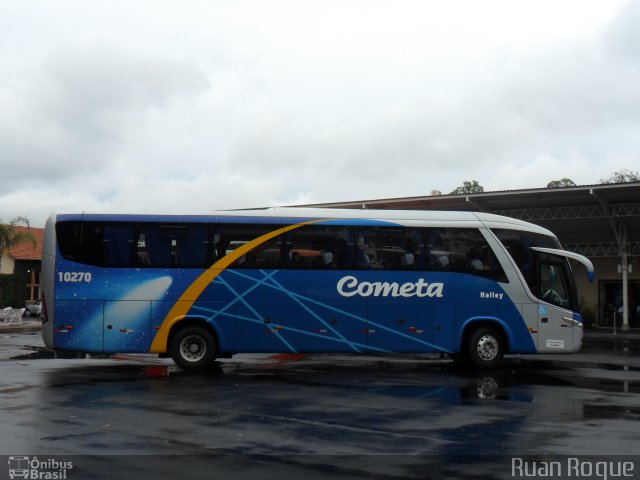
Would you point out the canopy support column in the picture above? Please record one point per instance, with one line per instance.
(621, 232)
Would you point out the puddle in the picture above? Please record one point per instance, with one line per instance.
(600, 411)
(398, 377)
(487, 388)
(43, 353)
(551, 365)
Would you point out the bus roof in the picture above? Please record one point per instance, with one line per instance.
(287, 214)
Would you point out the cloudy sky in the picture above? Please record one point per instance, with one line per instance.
(192, 106)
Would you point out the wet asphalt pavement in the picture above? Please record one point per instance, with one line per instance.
(315, 416)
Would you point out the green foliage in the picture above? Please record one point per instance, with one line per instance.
(12, 290)
(622, 176)
(468, 187)
(12, 287)
(10, 236)
(563, 182)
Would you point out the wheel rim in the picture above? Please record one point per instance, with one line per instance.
(487, 347)
(487, 388)
(193, 348)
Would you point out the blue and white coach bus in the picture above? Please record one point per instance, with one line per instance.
(472, 285)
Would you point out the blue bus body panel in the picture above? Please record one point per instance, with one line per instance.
(121, 309)
(79, 325)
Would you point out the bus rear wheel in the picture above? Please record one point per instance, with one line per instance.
(486, 347)
(193, 348)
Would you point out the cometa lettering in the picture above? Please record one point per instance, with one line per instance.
(349, 286)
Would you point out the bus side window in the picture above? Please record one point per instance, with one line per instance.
(172, 245)
(142, 254)
(117, 244)
(319, 247)
(96, 243)
(390, 248)
(463, 250)
(192, 250)
(69, 235)
(228, 238)
(152, 251)
(438, 249)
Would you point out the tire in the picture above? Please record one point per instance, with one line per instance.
(193, 348)
(486, 347)
(27, 312)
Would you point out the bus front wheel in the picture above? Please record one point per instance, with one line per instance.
(486, 347)
(193, 348)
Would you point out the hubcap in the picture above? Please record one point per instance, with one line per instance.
(487, 347)
(487, 388)
(193, 348)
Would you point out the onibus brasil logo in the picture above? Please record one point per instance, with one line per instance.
(38, 469)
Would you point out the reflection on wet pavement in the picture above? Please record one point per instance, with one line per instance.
(515, 371)
(313, 404)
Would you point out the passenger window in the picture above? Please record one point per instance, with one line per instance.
(69, 236)
(390, 248)
(228, 238)
(462, 250)
(172, 245)
(93, 243)
(320, 247)
(117, 241)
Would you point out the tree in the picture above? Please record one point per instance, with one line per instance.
(564, 182)
(468, 187)
(12, 286)
(11, 236)
(622, 176)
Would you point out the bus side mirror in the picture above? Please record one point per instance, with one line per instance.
(575, 256)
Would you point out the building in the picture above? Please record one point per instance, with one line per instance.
(20, 271)
(601, 222)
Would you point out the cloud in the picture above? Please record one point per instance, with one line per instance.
(107, 107)
(622, 38)
(78, 109)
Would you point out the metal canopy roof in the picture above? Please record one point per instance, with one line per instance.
(588, 219)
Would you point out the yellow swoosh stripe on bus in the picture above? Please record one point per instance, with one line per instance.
(191, 294)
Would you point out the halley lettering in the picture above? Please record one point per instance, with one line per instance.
(349, 286)
(495, 295)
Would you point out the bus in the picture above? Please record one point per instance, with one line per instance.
(474, 286)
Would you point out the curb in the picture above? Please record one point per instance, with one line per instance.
(25, 327)
(633, 334)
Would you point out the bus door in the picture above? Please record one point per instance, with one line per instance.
(555, 319)
(558, 327)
